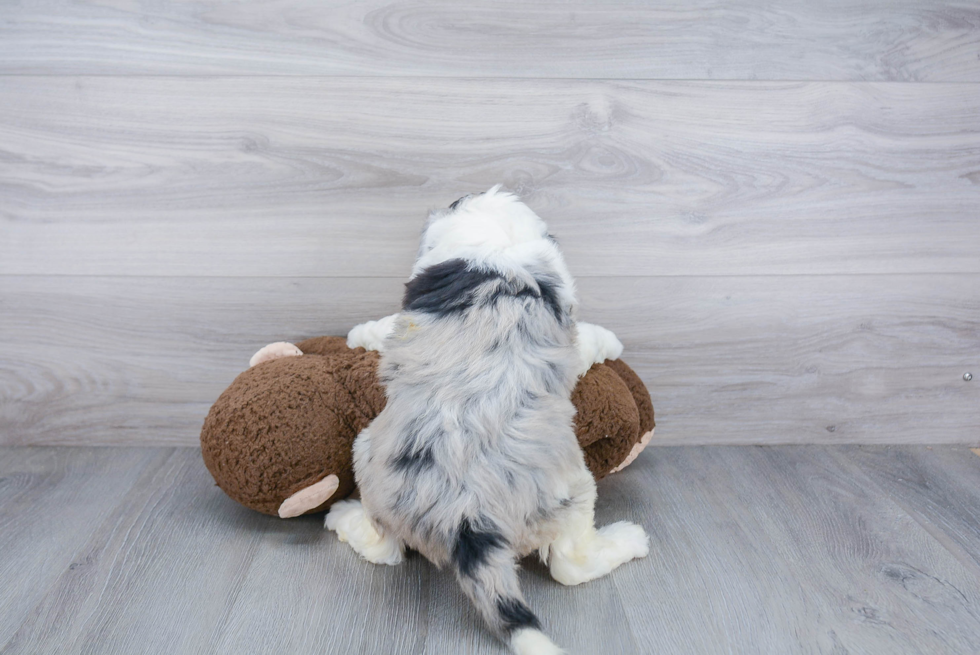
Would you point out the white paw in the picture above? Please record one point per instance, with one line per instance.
(274, 351)
(626, 540)
(596, 344)
(351, 523)
(371, 335)
(595, 553)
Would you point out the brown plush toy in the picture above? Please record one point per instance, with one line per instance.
(279, 439)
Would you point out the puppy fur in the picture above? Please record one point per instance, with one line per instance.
(474, 462)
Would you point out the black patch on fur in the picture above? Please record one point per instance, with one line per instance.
(445, 288)
(413, 461)
(473, 547)
(550, 296)
(515, 615)
(526, 292)
(548, 293)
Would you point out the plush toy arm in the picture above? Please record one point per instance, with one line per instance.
(274, 351)
(596, 344)
(371, 335)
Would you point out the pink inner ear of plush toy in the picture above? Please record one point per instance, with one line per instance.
(276, 350)
(309, 498)
(637, 449)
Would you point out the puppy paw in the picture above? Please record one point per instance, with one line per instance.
(596, 553)
(274, 351)
(596, 344)
(626, 541)
(351, 523)
(371, 335)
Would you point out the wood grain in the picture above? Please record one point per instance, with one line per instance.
(775, 550)
(695, 39)
(170, 549)
(51, 500)
(826, 359)
(333, 177)
(304, 594)
(938, 487)
(799, 359)
(142, 359)
(784, 550)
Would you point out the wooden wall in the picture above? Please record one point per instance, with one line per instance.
(775, 205)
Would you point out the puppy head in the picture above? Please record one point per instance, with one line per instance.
(478, 229)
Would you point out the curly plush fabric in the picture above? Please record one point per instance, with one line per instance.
(644, 404)
(288, 423)
(607, 423)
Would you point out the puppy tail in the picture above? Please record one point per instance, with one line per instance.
(486, 567)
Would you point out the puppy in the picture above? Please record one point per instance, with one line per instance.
(474, 461)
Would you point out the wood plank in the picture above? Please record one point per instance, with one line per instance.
(333, 176)
(826, 359)
(773, 550)
(159, 574)
(770, 359)
(141, 360)
(309, 593)
(179, 567)
(346, 605)
(51, 500)
(695, 39)
(938, 487)
(784, 550)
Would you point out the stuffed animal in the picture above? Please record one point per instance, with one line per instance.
(279, 439)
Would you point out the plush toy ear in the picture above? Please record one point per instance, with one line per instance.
(643, 404)
(273, 351)
(637, 449)
(309, 498)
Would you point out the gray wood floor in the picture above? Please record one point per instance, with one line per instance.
(781, 550)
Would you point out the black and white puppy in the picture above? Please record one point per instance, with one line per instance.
(474, 461)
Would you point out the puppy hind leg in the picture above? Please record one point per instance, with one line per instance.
(352, 524)
(582, 553)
